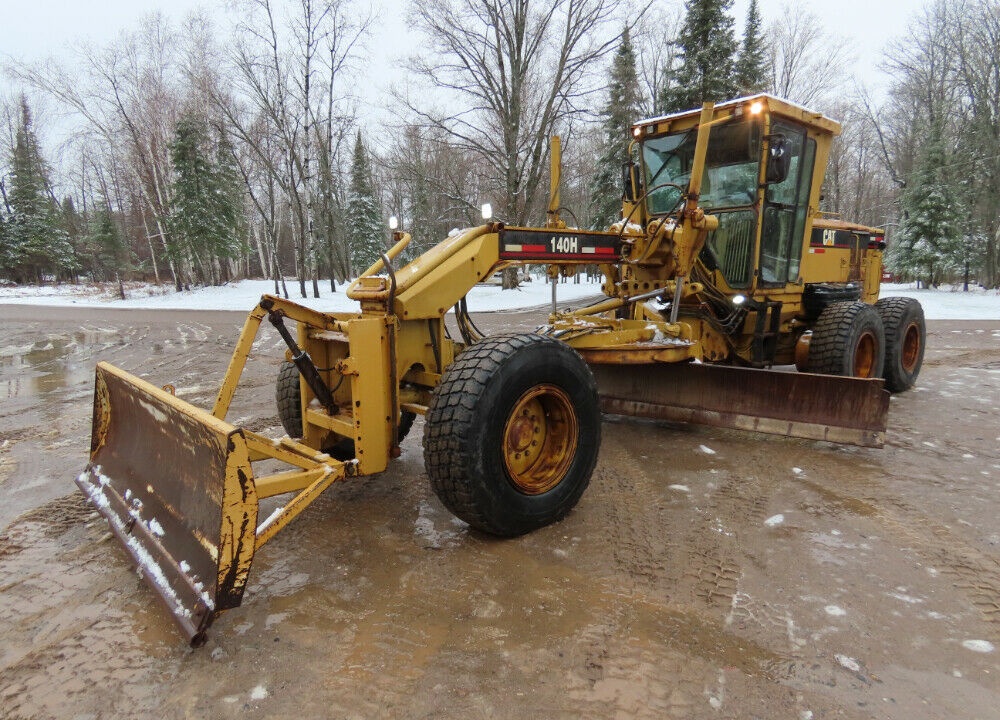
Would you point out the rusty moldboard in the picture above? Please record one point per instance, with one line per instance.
(817, 407)
(176, 487)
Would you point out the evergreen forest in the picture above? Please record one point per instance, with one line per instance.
(189, 154)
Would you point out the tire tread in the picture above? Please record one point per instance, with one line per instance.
(832, 333)
(894, 312)
(448, 429)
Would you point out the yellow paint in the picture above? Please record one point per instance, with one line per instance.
(389, 356)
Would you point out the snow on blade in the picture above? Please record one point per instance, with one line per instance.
(146, 564)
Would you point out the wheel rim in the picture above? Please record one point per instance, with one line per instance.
(540, 439)
(865, 354)
(911, 348)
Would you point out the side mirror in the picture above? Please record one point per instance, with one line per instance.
(630, 181)
(779, 159)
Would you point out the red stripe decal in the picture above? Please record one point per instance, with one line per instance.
(533, 248)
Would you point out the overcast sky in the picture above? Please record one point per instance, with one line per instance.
(35, 29)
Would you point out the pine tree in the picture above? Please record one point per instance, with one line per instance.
(929, 239)
(706, 70)
(7, 259)
(35, 243)
(7, 256)
(624, 102)
(107, 249)
(230, 206)
(190, 220)
(751, 66)
(206, 217)
(364, 231)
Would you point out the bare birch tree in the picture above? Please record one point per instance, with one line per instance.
(278, 67)
(807, 62)
(656, 51)
(127, 95)
(510, 71)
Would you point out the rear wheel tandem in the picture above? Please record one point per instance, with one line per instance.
(848, 339)
(905, 336)
(512, 433)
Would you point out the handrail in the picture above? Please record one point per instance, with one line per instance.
(403, 239)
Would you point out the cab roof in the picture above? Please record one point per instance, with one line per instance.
(768, 103)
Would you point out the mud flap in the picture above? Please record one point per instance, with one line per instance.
(176, 487)
(817, 407)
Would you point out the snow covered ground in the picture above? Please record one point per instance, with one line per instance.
(950, 303)
(942, 304)
(244, 295)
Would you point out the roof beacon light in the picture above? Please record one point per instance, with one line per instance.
(487, 211)
(393, 222)
(755, 107)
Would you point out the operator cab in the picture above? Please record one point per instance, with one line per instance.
(759, 181)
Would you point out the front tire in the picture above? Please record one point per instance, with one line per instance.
(848, 339)
(905, 337)
(512, 433)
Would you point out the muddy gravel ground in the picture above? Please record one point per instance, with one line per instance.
(704, 574)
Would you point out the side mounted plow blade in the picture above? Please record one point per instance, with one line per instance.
(817, 407)
(176, 487)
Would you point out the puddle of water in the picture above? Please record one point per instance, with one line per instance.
(46, 367)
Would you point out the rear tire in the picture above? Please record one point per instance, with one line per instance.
(512, 433)
(905, 338)
(288, 394)
(848, 339)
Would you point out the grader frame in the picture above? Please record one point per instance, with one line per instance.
(177, 484)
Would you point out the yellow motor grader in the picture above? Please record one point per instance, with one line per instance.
(719, 270)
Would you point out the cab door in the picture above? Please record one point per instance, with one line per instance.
(786, 207)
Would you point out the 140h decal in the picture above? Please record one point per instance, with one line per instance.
(563, 245)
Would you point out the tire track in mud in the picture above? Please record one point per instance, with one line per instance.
(696, 560)
(676, 571)
(401, 580)
(971, 570)
(418, 611)
(646, 550)
(610, 672)
(688, 600)
(63, 633)
(978, 359)
(640, 546)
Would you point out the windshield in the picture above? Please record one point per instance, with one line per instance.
(732, 167)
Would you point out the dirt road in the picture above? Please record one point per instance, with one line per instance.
(705, 573)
